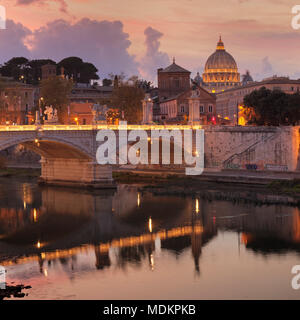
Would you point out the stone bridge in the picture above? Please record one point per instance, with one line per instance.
(68, 152)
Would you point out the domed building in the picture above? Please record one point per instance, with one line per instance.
(246, 78)
(221, 70)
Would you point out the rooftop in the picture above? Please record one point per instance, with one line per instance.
(271, 80)
(174, 68)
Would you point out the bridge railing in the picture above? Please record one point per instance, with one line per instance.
(93, 127)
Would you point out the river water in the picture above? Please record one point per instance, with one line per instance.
(131, 244)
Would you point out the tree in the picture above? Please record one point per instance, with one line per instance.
(107, 82)
(34, 71)
(140, 83)
(14, 67)
(127, 97)
(21, 69)
(272, 107)
(55, 92)
(78, 70)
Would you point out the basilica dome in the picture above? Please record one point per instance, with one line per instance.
(220, 59)
(221, 69)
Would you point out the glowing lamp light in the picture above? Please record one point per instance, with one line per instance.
(197, 206)
(34, 215)
(152, 261)
(38, 245)
(138, 200)
(150, 225)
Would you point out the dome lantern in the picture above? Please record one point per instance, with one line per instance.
(220, 45)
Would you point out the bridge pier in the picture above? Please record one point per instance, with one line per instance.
(76, 173)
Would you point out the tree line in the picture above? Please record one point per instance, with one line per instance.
(265, 107)
(30, 71)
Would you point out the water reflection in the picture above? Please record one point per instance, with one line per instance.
(53, 233)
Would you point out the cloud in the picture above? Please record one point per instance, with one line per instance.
(267, 68)
(62, 3)
(12, 41)
(103, 43)
(153, 58)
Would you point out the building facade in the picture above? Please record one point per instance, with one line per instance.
(172, 81)
(228, 102)
(175, 91)
(86, 93)
(19, 102)
(177, 109)
(48, 70)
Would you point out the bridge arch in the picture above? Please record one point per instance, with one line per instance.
(67, 158)
(49, 147)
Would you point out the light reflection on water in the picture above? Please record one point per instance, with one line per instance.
(128, 244)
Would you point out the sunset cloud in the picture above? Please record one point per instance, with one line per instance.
(62, 3)
(12, 41)
(153, 58)
(251, 30)
(103, 43)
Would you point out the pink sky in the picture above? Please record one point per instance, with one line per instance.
(257, 33)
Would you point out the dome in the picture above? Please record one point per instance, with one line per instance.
(220, 59)
(221, 70)
(246, 78)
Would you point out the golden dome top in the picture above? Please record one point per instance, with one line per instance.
(220, 59)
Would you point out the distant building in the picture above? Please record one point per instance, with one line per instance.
(176, 109)
(246, 78)
(221, 71)
(19, 102)
(48, 71)
(80, 113)
(86, 93)
(229, 100)
(174, 96)
(172, 81)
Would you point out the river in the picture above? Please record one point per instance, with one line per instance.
(132, 244)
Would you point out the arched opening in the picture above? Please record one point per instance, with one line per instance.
(64, 163)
